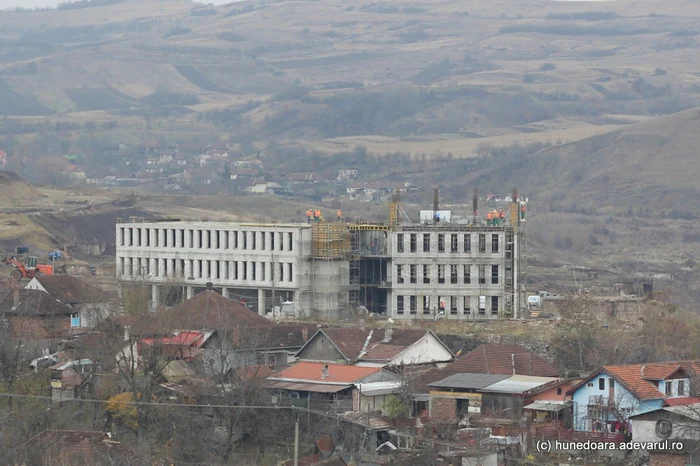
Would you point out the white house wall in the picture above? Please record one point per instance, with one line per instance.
(428, 349)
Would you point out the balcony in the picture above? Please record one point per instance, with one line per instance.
(597, 400)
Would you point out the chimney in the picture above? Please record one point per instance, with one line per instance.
(515, 195)
(475, 202)
(209, 286)
(305, 333)
(324, 372)
(436, 200)
(387, 335)
(15, 296)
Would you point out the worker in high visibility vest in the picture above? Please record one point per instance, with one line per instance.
(495, 217)
(340, 215)
(308, 215)
(522, 212)
(502, 216)
(489, 218)
(317, 215)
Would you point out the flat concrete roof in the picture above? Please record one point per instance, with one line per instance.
(213, 225)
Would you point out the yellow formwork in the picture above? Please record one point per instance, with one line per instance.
(330, 240)
(514, 214)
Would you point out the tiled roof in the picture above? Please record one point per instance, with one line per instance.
(632, 377)
(367, 345)
(641, 379)
(492, 358)
(33, 303)
(400, 340)
(211, 311)
(312, 371)
(350, 341)
(683, 401)
(283, 335)
(70, 290)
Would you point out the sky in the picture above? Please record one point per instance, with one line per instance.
(44, 3)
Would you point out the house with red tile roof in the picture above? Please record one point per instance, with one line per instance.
(376, 347)
(90, 304)
(610, 395)
(336, 387)
(240, 337)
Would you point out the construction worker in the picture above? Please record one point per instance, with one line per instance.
(502, 216)
(340, 215)
(522, 211)
(489, 218)
(308, 215)
(317, 215)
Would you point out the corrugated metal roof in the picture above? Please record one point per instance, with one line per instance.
(468, 380)
(379, 388)
(305, 387)
(517, 384)
(553, 406)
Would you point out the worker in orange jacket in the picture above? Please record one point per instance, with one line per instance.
(308, 215)
(489, 218)
(317, 215)
(340, 215)
(522, 212)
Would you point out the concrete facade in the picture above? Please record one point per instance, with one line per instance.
(466, 272)
(256, 258)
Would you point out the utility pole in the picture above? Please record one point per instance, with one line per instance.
(296, 441)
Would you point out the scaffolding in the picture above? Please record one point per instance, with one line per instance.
(330, 241)
(330, 252)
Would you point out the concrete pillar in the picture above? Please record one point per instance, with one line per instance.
(143, 237)
(261, 301)
(161, 237)
(190, 292)
(178, 239)
(128, 232)
(155, 297)
(153, 267)
(224, 292)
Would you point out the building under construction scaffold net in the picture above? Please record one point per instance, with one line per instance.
(330, 240)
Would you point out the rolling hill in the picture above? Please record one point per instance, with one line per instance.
(652, 166)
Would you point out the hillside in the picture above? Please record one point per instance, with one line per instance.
(417, 77)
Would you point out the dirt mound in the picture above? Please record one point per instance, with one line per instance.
(15, 192)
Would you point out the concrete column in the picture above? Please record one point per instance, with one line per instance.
(161, 237)
(128, 233)
(152, 267)
(224, 292)
(261, 301)
(155, 297)
(190, 292)
(143, 237)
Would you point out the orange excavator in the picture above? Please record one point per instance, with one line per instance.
(27, 269)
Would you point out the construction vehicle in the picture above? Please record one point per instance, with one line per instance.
(30, 268)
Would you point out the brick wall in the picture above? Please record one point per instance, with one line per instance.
(443, 409)
(666, 459)
(355, 399)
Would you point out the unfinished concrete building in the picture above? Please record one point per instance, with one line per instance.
(265, 266)
(450, 267)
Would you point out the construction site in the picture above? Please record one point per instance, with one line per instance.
(443, 265)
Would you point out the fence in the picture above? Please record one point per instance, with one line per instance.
(554, 432)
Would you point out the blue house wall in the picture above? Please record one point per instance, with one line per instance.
(625, 401)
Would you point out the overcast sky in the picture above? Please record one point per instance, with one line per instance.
(43, 3)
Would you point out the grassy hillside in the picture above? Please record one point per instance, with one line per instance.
(450, 72)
